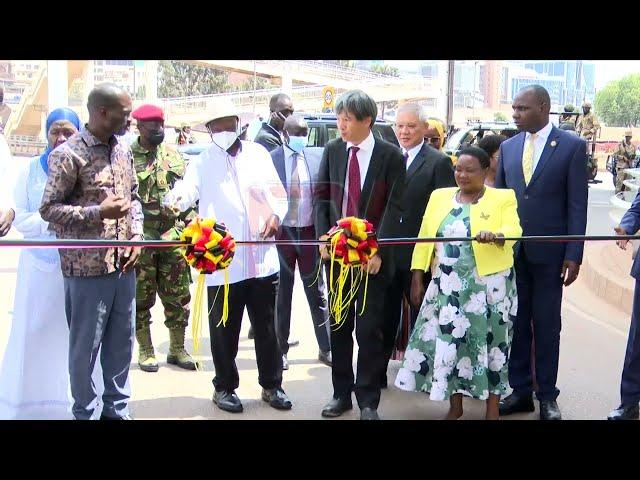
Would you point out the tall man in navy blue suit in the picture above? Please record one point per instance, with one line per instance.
(630, 384)
(546, 167)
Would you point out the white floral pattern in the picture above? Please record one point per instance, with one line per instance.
(477, 303)
(497, 359)
(465, 368)
(413, 358)
(460, 343)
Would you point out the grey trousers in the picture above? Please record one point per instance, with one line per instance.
(100, 310)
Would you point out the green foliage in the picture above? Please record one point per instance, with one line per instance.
(618, 103)
(386, 70)
(500, 117)
(178, 79)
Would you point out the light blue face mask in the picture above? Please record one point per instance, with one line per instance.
(297, 143)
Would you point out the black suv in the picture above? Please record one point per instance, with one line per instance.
(323, 128)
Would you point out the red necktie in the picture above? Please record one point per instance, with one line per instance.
(353, 195)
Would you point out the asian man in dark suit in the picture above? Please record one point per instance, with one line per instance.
(426, 170)
(360, 176)
(546, 167)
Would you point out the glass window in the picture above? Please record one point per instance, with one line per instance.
(332, 132)
(314, 137)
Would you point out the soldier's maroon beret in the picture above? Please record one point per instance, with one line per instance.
(148, 112)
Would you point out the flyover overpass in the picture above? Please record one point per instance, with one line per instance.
(26, 123)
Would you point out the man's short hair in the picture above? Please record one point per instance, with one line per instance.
(415, 108)
(359, 104)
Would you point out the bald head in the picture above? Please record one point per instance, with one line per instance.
(109, 109)
(105, 95)
(296, 126)
(539, 93)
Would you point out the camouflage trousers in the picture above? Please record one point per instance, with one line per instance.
(620, 175)
(165, 272)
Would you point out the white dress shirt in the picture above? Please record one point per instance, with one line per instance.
(539, 143)
(305, 207)
(413, 152)
(242, 192)
(364, 158)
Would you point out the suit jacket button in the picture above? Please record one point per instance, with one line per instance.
(526, 197)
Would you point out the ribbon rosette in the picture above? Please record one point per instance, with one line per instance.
(210, 248)
(353, 243)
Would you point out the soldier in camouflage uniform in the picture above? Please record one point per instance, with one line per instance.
(625, 155)
(587, 124)
(566, 117)
(161, 271)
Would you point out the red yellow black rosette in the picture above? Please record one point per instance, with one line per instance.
(210, 248)
(353, 243)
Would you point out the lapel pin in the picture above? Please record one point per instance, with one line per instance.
(484, 216)
(553, 143)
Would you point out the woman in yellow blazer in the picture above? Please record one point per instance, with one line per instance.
(460, 343)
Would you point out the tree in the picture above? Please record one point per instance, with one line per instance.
(618, 103)
(179, 79)
(261, 84)
(385, 70)
(500, 117)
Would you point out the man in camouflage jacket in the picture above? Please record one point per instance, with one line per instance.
(161, 271)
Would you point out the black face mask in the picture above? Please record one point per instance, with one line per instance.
(155, 138)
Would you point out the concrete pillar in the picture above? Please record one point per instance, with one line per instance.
(287, 81)
(43, 126)
(151, 80)
(57, 84)
(88, 81)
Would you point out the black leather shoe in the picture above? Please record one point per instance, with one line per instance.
(369, 414)
(277, 398)
(251, 335)
(325, 357)
(515, 403)
(549, 410)
(293, 343)
(336, 407)
(123, 417)
(625, 413)
(227, 401)
(285, 363)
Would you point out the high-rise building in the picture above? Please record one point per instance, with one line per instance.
(120, 72)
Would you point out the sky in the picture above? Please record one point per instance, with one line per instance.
(606, 70)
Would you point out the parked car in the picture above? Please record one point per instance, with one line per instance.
(323, 127)
(472, 133)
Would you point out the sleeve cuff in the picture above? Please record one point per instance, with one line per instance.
(93, 214)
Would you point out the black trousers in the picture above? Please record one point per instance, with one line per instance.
(308, 260)
(539, 302)
(399, 288)
(369, 334)
(258, 295)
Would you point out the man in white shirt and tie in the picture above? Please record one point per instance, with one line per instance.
(426, 169)
(237, 184)
(298, 169)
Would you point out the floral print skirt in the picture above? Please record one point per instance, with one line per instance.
(461, 339)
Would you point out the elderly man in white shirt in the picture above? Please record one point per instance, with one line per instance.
(237, 184)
